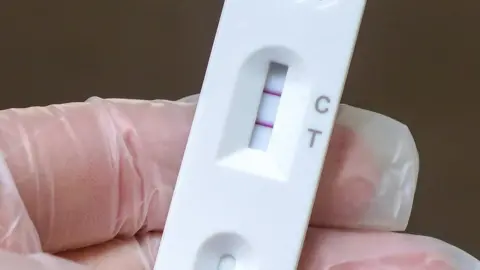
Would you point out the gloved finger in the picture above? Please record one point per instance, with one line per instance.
(344, 250)
(323, 250)
(38, 261)
(135, 253)
(370, 173)
(88, 172)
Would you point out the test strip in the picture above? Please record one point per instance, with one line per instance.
(267, 111)
(243, 200)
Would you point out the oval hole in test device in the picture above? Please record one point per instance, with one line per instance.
(225, 251)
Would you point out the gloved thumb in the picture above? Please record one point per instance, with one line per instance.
(39, 261)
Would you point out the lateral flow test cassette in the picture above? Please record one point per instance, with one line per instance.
(260, 134)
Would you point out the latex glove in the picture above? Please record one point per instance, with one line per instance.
(92, 182)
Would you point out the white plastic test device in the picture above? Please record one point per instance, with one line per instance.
(253, 160)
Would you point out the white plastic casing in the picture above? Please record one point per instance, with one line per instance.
(243, 205)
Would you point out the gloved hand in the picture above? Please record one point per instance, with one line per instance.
(91, 184)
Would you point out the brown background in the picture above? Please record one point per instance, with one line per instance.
(417, 61)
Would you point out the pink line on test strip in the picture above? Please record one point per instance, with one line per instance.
(264, 124)
(271, 92)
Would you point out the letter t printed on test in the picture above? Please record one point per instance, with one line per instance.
(260, 134)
